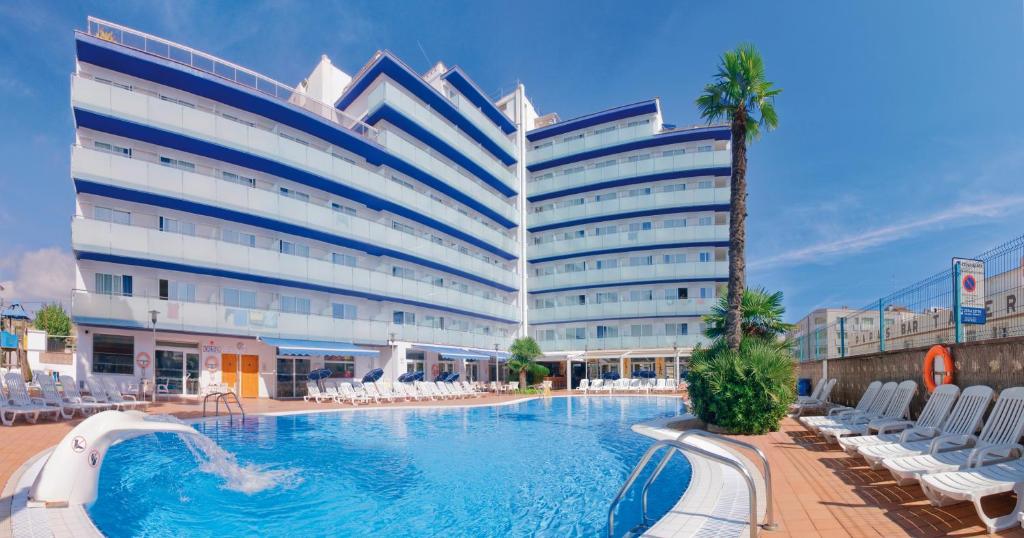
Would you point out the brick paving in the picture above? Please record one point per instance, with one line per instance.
(819, 490)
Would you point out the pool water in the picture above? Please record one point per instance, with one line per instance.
(546, 467)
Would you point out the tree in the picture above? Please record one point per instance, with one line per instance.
(53, 319)
(761, 316)
(741, 95)
(524, 359)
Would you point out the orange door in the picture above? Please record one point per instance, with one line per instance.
(250, 376)
(229, 371)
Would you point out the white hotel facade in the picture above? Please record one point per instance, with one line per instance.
(387, 219)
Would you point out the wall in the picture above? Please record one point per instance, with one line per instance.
(996, 363)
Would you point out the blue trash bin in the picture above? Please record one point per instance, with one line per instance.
(803, 386)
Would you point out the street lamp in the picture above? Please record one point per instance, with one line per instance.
(675, 350)
(153, 315)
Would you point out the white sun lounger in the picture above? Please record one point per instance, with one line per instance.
(896, 411)
(313, 392)
(998, 439)
(836, 414)
(976, 482)
(19, 398)
(584, 386)
(127, 401)
(932, 416)
(815, 395)
(48, 388)
(818, 402)
(965, 419)
(350, 395)
(73, 395)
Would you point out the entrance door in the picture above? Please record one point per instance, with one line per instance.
(579, 371)
(250, 376)
(472, 371)
(229, 371)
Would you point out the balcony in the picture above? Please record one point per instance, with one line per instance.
(211, 318)
(625, 275)
(629, 241)
(482, 122)
(88, 235)
(595, 177)
(203, 187)
(561, 147)
(389, 94)
(206, 125)
(624, 343)
(610, 208)
(627, 309)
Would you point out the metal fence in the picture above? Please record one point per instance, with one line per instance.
(927, 312)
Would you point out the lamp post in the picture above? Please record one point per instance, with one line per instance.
(497, 376)
(675, 350)
(153, 315)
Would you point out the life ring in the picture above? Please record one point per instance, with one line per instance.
(434, 371)
(929, 366)
(142, 360)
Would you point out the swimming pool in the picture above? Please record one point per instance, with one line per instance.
(545, 467)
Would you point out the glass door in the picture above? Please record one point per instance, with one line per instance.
(472, 371)
(170, 366)
(291, 377)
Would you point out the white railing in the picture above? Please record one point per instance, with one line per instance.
(175, 52)
(621, 342)
(657, 271)
(655, 200)
(622, 309)
(644, 239)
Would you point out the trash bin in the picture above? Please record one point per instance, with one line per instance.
(803, 386)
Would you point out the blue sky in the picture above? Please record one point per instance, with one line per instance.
(900, 140)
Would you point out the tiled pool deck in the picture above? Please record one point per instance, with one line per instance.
(819, 491)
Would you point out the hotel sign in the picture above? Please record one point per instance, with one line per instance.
(970, 290)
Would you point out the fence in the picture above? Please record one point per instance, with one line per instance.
(927, 312)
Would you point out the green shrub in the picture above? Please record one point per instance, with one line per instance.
(746, 392)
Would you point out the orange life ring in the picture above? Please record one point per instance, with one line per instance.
(434, 371)
(142, 360)
(929, 366)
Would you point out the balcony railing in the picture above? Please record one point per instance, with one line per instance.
(223, 69)
(561, 147)
(640, 273)
(625, 343)
(623, 309)
(634, 240)
(214, 318)
(655, 200)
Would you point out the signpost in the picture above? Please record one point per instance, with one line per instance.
(968, 294)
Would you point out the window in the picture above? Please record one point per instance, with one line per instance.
(575, 267)
(113, 148)
(403, 227)
(638, 226)
(239, 179)
(240, 238)
(674, 187)
(606, 196)
(641, 260)
(641, 295)
(707, 293)
(703, 149)
(295, 249)
(706, 184)
(113, 354)
(675, 223)
(112, 215)
(342, 157)
(108, 284)
(645, 191)
(674, 258)
(237, 120)
(294, 194)
(239, 298)
(177, 291)
(343, 259)
(606, 230)
(604, 164)
(343, 368)
(704, 257)
(402, 182)
(635, 158)
(403, 272)
(176, 101)
(575, 333)
(114, 83)
(294, 305)
(677, 329)
(607, 297)
(671, 152)
(706, 221)
(176, 226)
(343, 208)
(570, 138)
(297, 140)
(677, 293)
(641, 330)
(603, 130)
(637, 123)
(605, 331)
(404, 318)
(610, 263)
(178, 163)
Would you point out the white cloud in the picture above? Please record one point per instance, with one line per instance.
(43, 275)
(835, 248)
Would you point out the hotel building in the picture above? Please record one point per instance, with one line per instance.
(232, 229)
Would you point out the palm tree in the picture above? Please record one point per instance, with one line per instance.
(524, 353)
(761, 316)
(741, 95)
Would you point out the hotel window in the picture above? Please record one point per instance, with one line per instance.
(706, 184)
(639, 192)
(239, 298)
(237, 120)
(343, 208)
(395, 225)
(606, 230)
(297, 140)
(177, 163)
(610, 263)
(574, 234)
(542, 145)
(239, 238)
(674, 223)
(575, 300)
(641, 295)
(706, 221)
(295, 249)
(177, 291)
(343, 259)
(113, 148)
(642, 157)
(607, 331)
(342, 157)
(677, 329)
(111, 215)
(176, 226)
(671, 152)
(603, 130)
(606, 196)
(545, 334)
(576, 333)
(703, 149)
(607, 297)
(636, 123)
(294, 194)
(707, 293)
(575, 267)
(114, 83)
(635, 261)
(239, 179)
(704, 257)
(402, 272)
(404, 318)
(403, 182)
(573, 170)
(677, 293)
(108, 284)
(437, 281)
(641, 330)
(113, 354)
(674, 258)
(341, 368)
(176, 101)
(570, 138)
(294, 305)
(605, 164)
(674, 187)
(639, 226)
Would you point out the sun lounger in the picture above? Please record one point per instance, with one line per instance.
(50, 396)
(835, 416)
(932, 416)
(997, 441)
(350, 395)
(815, 395)
(972, 484)
(820, 402)
(19, 398)
(71, 394)
(895, 411)
(313, 392)
(126, 401)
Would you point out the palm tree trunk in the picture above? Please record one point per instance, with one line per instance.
(522, 378)
(737, 230)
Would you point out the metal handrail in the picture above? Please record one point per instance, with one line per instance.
(769, 525)
(682, 447)
(217, 397)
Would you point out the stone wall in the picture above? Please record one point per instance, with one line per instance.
(996, 363)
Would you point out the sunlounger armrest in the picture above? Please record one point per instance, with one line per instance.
(947, 442)
(839, 409)
(918, 434)
(893, 427)
(978, 456)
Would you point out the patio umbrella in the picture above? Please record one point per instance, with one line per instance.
(452, 377)
(373, 375)
(646, 374)
(317, 375)
(405, 378)
(610, 376)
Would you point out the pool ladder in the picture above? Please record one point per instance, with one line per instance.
(678, 446)
(227, 398)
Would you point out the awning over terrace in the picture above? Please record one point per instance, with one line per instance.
(469, 354)
(306, 348)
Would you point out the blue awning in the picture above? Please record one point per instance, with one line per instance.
(15, 311)
(469, 354)
(306, 348)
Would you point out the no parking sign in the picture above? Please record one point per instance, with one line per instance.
(970, 290)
